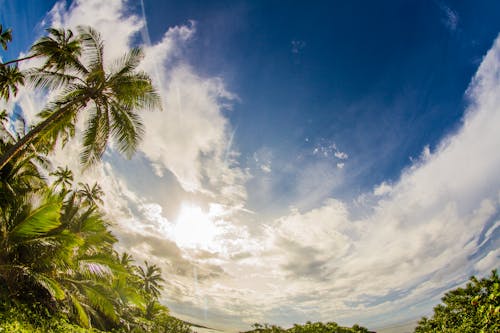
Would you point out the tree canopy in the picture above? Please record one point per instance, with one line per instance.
(74, 68)
(475, 308)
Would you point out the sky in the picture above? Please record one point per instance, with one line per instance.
(335, 161)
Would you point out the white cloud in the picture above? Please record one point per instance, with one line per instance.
(189, 137)
(110, 18)
(328, 149)
(341, 155)
(382, 189)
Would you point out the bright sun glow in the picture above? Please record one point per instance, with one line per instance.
(195, 229)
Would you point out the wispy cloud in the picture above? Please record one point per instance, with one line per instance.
(451, 18)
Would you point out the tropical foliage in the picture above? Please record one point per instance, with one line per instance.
(475, 308)
(59, 271)
(74, 67)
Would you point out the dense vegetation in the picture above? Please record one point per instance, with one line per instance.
(309, 327)
(473, 309)
(59, 271)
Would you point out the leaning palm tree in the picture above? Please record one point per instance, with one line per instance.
(111, 99)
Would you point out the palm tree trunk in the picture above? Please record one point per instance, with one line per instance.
(18, 60)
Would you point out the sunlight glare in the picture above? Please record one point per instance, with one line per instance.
(195, 229)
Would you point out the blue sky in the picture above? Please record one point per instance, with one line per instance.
(335, 161)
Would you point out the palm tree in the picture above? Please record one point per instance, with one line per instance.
(126, 259)
(10, 79)
(60, 48)
(5, 37)
(151, 279)
(64, 178)
(111, 98)
(92, 195)
(90, 268)
(59, 258)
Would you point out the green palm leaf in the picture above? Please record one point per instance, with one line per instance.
(42, 220)
(51, 285)
(95, 137)
(93, 47)
(99, 266)
(100, 298)
(127, 129)
(81, 314)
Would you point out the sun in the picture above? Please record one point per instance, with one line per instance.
(195, 228)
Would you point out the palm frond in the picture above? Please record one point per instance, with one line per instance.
(93, 268)
(127, 292)
(93, 47)
(100, 298)
(126, 64)
(47, 79)
(81, 314)
(49, 284)
(136, 91)
(61, 50)
(95, 136)
(41, 220)
(5, 37)
(127, 129)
